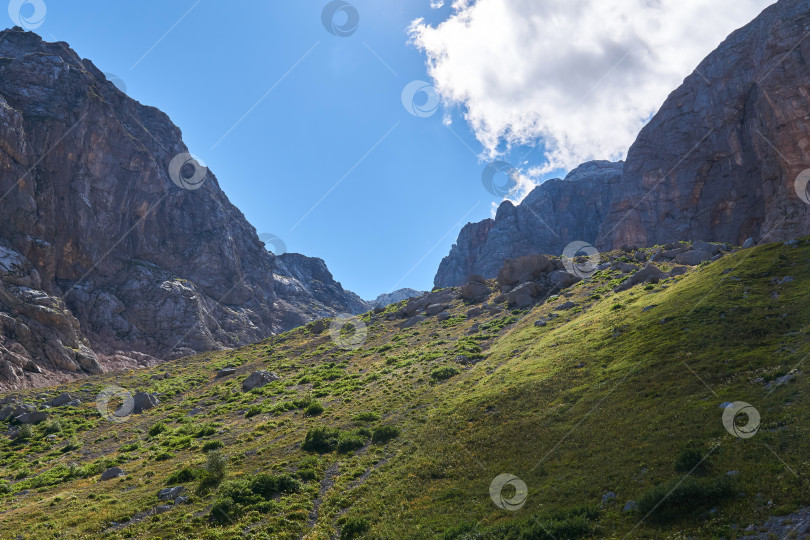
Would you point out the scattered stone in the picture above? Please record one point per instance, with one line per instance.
(631, 506)
(540, 323)
(435, 309)
(566, 306)
(649, 274)
(413, 321)
(170, 493)
(733, 473)
(780, 381)
(607, 497)
(725, 405)
(648, 308)
(162, 508)
(792, 243)
(475, 312)
(144, 401)
(61, 399)
(443, 316)
(523, 269)
(694, 257)
(182, 499)
(113, 472)
(13, 411)
(580, 365)
(224, 372)
(749, 243)
(523, 296)
(257, 379)
(34, 417)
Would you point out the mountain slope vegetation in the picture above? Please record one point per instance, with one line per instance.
(616, 399)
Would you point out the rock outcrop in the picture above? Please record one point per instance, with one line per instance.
(106, 261)
(718, 162)
(393, 297)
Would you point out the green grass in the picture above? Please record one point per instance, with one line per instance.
(406, 441)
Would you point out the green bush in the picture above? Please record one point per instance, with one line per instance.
(350, 441)
(366, 417)
(186, 474)
(444, 373)
(237, 497)
(214, 472)
(205, 431)
(321, 440)
(383, 434)
(254, 410)
(314, 409)
(680, 499)
(569, 524)
(690, 460)
(157, 429)
(25, 432)
(5, 486)
(212, 445)
(353, 528)
(54, 426)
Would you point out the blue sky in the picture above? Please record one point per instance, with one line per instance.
(395, 213)
(307, 132)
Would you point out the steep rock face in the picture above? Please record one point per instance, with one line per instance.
(720, 159)
(397, 296)
(104, 261)
(718, 162)
(306, 284)
(553, 215)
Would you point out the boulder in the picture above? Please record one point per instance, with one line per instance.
(524, 295)
(113, 472)
(144, 401)
(749, 243)
(475, 291)
(12, 411)
(694, 257)
(33, 417)
(523, 269)
(413, 321)
(435, 309)
(540, 323)
(475, 312)
(224, 372)
(257, 379)
(170, 493)
(61, 399)
(319, 326)
(649, 274)
(566, 306)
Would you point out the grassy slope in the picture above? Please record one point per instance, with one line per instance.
(570, 433)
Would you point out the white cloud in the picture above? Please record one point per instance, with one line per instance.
(436, 4)
(580, 76)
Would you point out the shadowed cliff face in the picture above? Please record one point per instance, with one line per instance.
(718, 162)
(104, 261)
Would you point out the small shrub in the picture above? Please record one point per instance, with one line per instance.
(5, 486)
(321, 440)
(306, 474)
(314, 409)
(25, 432)
(681, 499)
(383, 434)
(353, 528)
(71, 444)
(444, 373)
(205, 431)
(186, 474)
(366, 417)
(690, 458)
(212, 445)
(157, 429)
(254, 410)
(54, 426)
(352, 440)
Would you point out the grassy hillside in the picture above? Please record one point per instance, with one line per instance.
(619, 395)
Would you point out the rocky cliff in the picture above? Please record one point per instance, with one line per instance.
(718, 162)
(109, 256)
(399, 295)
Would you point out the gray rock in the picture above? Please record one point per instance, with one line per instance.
(523, 295)
(631, 506)
(162, 508)
(649, 274)
(224, 372)
(475, 312)
(566, 306)
(693, 258)
(181, 499)
(749, 243)
(34, 417)
(257, 379)
(61, 399)
(413, 321)
(397, 296)
(443, 316)
(475, 291)
(540, 323)
(607, 497)
(12, 411)
(113, 472)
(435, 309)
(170, 493)
(144, 401)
